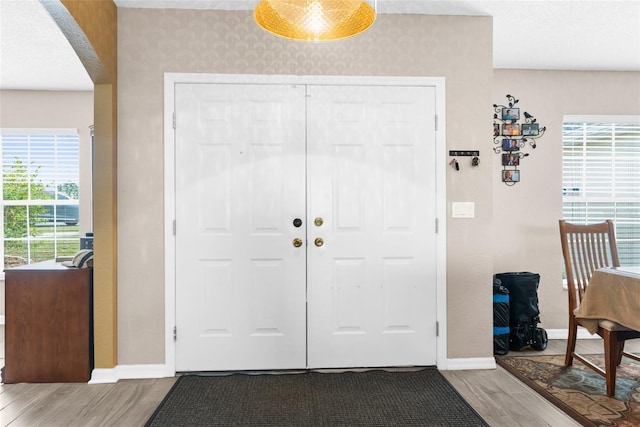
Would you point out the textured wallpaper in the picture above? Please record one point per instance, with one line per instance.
(230, 42)
(152, 42)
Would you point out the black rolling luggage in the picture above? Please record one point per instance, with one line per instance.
(500, 318)
(524, 313)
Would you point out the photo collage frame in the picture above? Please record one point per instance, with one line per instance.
(513, 132)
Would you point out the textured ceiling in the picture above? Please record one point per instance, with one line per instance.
(528, 34)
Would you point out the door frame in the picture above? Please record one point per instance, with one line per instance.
(171, 79)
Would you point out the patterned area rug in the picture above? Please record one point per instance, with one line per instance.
(371, 398)
(579, 391)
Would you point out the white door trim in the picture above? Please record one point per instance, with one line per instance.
(171, 79)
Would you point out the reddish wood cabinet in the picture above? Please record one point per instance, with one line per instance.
(48, 324)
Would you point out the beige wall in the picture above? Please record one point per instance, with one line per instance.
(515, 228)
(526, 215)
(56, 109)
(152, 42)
(59, 109)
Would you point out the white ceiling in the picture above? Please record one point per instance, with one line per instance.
(529, 34)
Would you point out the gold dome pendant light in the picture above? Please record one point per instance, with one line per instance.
(314, 20)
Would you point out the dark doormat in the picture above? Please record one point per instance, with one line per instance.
(371, 398)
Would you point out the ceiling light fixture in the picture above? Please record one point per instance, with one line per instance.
(315, 20)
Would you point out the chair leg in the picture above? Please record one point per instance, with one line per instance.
(571, 342)
(611, 349)
(620, 350)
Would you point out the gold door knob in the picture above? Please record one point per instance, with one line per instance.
(297, 242)
(319, 242)
(318, 221)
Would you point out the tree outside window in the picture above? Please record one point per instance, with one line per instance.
(40, 197)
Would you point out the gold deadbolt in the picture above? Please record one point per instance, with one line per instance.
(297, 242)
(319, 242)
(318, 221)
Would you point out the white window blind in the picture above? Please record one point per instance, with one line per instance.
(40, 185)
(601, 176)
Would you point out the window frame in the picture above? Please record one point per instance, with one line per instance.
(611, 156)
(29, 132)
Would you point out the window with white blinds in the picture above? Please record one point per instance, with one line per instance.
(601, 176)
(40, 189)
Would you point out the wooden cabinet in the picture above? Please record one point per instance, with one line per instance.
(48, 324)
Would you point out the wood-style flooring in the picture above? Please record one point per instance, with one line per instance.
(497, 396)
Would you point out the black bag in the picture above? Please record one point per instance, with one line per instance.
(540, 339)
(524, 314)
(527, 334)
(500, 318)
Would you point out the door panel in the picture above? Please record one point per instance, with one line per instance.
(252, 158)
(371, 286)
(240, 293)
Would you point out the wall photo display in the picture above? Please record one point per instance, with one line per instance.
(530, 129)
(510, 159)
(510, 129)
(510, 114)
(511, 175)
(511, 137)
(510, 145)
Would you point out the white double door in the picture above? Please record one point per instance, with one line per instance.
(305, 226)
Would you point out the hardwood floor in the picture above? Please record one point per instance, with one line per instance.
(498, 397)
(503, 401)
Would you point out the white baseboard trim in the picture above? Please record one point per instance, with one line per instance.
(471, 363)
(104, 376)
(562, 334)
(490, 363)
(127, 372)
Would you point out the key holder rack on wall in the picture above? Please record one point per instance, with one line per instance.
(511, 137)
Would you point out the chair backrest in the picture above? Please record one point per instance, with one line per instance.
(586, 248)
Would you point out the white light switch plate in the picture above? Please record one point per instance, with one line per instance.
(463, 209)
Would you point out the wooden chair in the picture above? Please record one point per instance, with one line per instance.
(586, 248)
